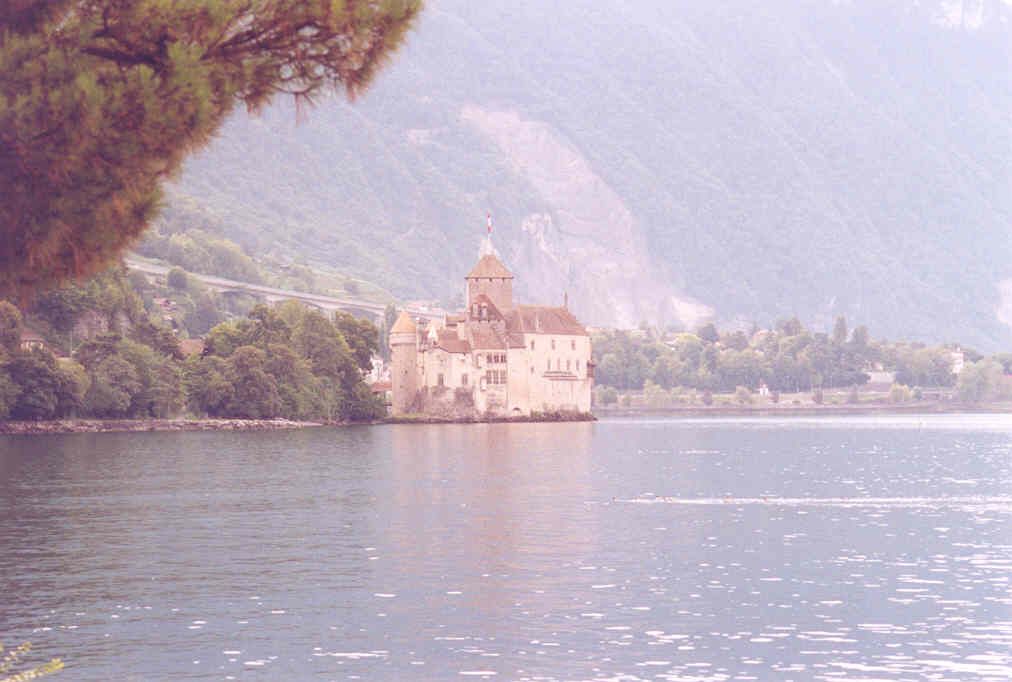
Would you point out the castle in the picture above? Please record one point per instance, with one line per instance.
(494, 358)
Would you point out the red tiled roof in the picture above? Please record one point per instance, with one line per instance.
(404, 324)
(451, 343)
(536, 319)
(28, 334)
(485, 337)
(494, 312)
(191, 346)
(489, 266)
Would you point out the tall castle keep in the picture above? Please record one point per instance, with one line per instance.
(493, 358)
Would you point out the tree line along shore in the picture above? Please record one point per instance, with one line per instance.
(147, 353)
(101, 349)
(789, 366)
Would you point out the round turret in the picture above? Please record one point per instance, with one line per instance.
(403, 363)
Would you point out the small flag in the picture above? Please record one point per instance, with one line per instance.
(489, 222)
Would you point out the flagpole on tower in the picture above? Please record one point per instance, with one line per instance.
(489, 222)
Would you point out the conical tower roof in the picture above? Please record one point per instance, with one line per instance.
(404, 324)
(489, 266)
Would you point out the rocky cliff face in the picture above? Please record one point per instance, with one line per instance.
(659, 161)
(589, 245)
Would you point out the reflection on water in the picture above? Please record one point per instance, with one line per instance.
(840, 548)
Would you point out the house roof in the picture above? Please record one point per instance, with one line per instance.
(28, 334)
(493, 309)
(489, 266)
(486, 337)
(451, 343)
(536, 319)
(191, 346)
(404, 324)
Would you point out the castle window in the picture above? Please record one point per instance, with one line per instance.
(573, 344)
(532, 344)
(474, 310)
(463, 380)
(558, 364)
(577, 365)
(439, 380)
(553, 344)
(549, 368)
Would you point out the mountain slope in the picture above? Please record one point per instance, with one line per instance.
(659, 161)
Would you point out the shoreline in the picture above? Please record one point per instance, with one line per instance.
(63, 426)
(803, 410)
(146, 425)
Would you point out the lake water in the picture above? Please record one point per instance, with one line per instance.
(717, 549)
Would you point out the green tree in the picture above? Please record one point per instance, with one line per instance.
(205, 314)
(114, 384)
(736, 340)
(655, 396)
(35, 375)
(177, 279)
(840, 331)
(224, 338)
(859, 338)
(267, 327)
(101, 101)
(298, 390)
(255, 393)
(361, 404)
(9, 390)
(157, 337)
(386, 324)
(789, 327)
(207, 386)
(10, 327)
(361, 337)
(166, 391)
(900, 393)
(329, 356)
(73, 384)
(979, 381)
(708, 333)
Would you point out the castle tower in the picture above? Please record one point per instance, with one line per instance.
(490, 277)
(403, 363)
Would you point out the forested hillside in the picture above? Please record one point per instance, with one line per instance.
(660, 161)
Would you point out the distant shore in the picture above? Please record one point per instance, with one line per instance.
(140, 425)
(781, 410)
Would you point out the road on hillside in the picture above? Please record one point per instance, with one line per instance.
(223, 284)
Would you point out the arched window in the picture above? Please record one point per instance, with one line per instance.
(553, 344)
